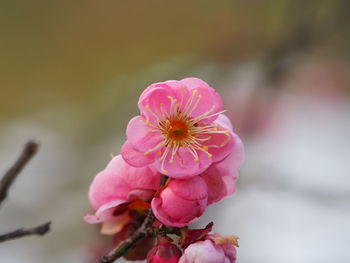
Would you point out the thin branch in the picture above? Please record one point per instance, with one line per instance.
(22, 232)
(131, 241)
(28, 152)
(6, 182)
(143, 231)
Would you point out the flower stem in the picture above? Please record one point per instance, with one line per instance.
(163, 180)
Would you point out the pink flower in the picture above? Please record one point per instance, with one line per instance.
(181, 201)
(221, 177)
(216, 249)
(164, 252)
(118, 184)
(181, 130)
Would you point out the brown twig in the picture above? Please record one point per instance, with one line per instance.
(22, 232)
(28, 152)
(143, 231)
(131, 241)
(6, 182)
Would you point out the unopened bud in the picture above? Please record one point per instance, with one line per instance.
(164, 252)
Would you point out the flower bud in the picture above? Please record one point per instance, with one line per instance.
(215, 249)
(164, 252)
(181, 202)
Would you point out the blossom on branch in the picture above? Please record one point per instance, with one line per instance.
(181, 129)
(181, 155)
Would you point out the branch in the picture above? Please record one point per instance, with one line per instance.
(38, 230)
(28, 152)
(6, 182)
(131, 241)
(144, 230)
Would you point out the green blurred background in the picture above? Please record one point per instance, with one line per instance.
(70, 76)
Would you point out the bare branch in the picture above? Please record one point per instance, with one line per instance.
(38, 230)
(6, 181)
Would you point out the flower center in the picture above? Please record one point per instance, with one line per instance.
(178, 130)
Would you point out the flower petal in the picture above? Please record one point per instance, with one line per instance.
(234, 160)
(115, 224)
(230, 183)
(107, 187)
(159, 100)
(134, 157)
(203, 252)
(140, 136)
(190, 189)
(178, 203)
(118, 180)
(104, 213)
(142, 194)
(221, 144)
(181, 201)
(136, 178)
(209, 98)
(183, 164)
(217, 189)
(224, 121)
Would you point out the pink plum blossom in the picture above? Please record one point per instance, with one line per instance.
(181, 129)
(221, 177)
(181, 201)
(164, 252)
(215, 249)
(118, 184)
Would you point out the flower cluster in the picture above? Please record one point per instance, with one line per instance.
(181, 135)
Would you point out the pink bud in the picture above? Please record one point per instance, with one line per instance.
(181, 202)
(210, 251)
(164, 252)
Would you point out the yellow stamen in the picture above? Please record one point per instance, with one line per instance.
(179, 130)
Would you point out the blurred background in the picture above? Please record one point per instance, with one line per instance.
(70, 76)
